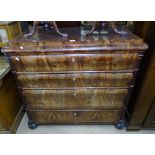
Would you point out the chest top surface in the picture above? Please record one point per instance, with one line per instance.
(48, 41)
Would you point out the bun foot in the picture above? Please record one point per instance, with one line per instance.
(32, 125)
(120, 125)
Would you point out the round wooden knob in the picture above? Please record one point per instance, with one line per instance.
(74, 79)
(74, 94)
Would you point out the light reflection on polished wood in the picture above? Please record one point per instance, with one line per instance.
(54, 74)
(81, 62)
(75, 80)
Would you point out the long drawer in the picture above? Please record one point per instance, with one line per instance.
(49, 117)
(74, 62)
(75, 98)
(75, 80)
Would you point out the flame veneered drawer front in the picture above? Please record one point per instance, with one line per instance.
(75, 80)
(102, 116)
(80, 62)
(75, 99)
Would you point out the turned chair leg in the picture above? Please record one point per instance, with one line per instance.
(35, 24)
(113, 28)
(92, 30)
(116, 30)
(57, 30)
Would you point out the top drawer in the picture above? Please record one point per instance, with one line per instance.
(74, 62)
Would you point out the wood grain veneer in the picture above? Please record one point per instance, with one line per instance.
(75, 80)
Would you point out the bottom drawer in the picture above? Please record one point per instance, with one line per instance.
(100, 116)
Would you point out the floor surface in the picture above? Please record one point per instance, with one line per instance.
(75, 129)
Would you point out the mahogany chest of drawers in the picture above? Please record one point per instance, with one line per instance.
(78, 80)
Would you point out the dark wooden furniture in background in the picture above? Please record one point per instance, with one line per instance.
(78, 80)
(63, 23)
(8, 31)
(11, 108)
(142, 103)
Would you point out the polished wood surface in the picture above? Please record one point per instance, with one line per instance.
(91, 79)
(77, 79)
(81, 62)
(45, 42)
(76, 99)
(71, 117)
